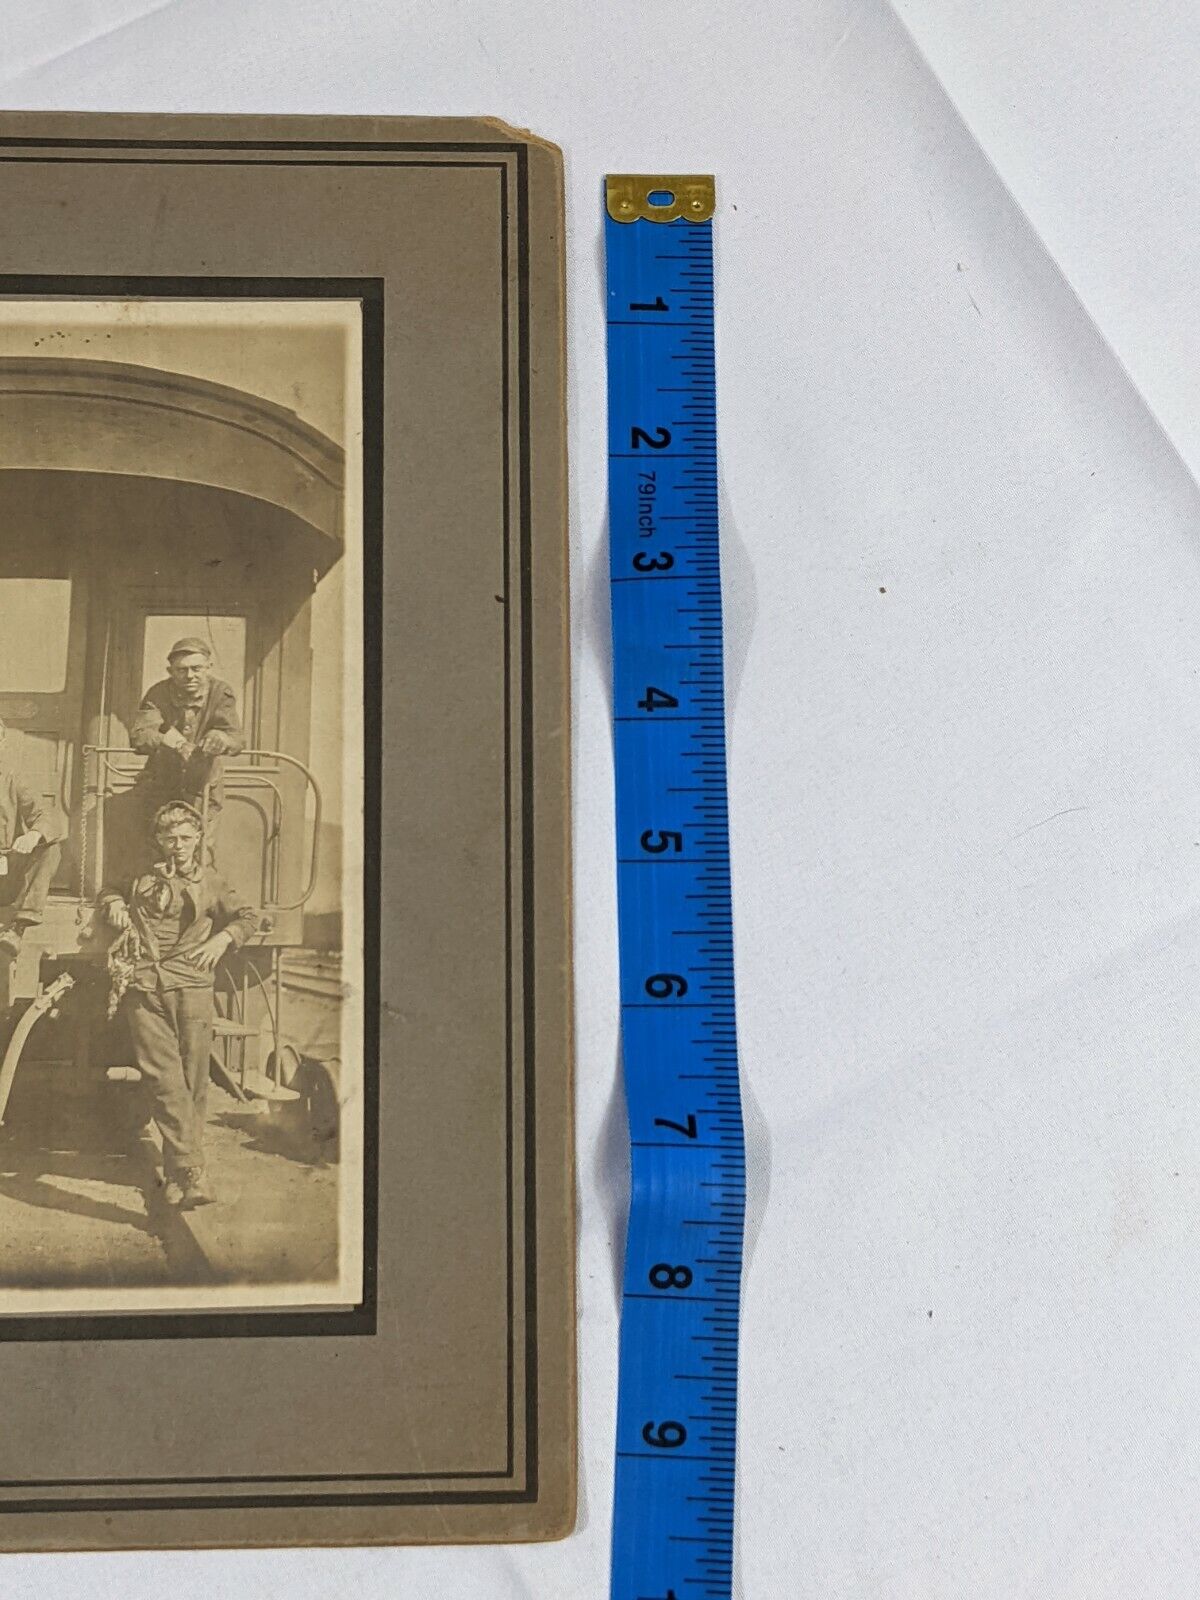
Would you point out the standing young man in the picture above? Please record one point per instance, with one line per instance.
(179, 919)
(30, 834)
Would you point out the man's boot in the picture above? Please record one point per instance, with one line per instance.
(197, 1189)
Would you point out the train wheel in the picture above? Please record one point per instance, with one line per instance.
(316, 1111)
(288, 1069)
(317, 1081)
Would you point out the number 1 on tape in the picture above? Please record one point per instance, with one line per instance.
(676, 1424)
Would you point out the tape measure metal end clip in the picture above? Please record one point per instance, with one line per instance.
(643, 197)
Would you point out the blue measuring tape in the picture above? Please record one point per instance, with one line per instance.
(677, 1411)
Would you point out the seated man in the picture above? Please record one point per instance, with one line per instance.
(185, 725)
(30, 834)
(177, 922)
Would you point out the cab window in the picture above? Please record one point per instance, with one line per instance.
(35, 616)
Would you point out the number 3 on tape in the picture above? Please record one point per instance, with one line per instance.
(676, 1423)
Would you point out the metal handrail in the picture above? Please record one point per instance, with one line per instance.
(101, 791)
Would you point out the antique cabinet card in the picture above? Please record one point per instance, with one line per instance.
(285, 1156)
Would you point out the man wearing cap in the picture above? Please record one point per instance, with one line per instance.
(185, 726)
(30, 834)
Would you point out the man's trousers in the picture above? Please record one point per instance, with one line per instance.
(27, 882)
(172, 1034)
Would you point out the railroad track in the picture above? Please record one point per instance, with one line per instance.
(324, 983)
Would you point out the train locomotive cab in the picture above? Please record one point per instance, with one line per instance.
(140, 506)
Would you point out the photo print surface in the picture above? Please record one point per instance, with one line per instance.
(181, 805)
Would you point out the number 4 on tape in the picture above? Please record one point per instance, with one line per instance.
(677, 1410)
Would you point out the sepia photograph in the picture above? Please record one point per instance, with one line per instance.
(181, 805)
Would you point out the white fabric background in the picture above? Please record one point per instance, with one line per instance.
(958, 338)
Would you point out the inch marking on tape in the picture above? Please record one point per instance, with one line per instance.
(677, 1406)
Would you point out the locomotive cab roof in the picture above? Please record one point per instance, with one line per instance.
(115, 421)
